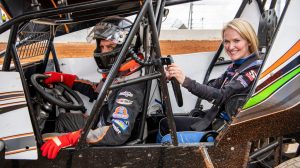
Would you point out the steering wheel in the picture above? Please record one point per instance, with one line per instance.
(59, 95)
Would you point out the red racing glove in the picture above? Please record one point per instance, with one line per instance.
(51, 147)
(54, 77)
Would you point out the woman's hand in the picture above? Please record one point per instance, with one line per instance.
(175, 71)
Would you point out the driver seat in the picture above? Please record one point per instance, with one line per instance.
(185, 137)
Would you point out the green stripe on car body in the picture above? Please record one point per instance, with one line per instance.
(270, 89)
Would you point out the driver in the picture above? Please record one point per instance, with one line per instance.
(122, 104)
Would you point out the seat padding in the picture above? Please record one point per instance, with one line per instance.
(186, 137)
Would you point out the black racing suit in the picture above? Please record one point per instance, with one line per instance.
(235, 80)
(123, 106)
(231, 82)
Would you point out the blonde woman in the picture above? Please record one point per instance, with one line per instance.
(241, 45)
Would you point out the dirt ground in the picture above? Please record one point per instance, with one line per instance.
(168, 47)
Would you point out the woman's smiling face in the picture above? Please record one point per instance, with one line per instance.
(236, 47)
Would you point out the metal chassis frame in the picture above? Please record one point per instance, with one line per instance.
(154, 23)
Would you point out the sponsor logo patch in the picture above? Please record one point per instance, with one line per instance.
(124, 101)
(120, 124)
(126, 94)
(242, 81)
(121, 112)
(251, 75)
(116, 129)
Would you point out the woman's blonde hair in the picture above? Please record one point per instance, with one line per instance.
(245, 30)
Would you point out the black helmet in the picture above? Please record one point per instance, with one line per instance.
(114, 29)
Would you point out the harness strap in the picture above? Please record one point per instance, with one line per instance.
(253, 64)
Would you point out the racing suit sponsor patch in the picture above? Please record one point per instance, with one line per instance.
(121, 113)
(120, 124)
(116, 129)
(251, 75)
(124, 101)
(126, 94)
(242, 81)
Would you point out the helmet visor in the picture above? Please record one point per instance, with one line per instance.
(108, 31)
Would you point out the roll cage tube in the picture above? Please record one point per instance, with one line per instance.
(52, 50)
(147, 8)
(159, 15)
(150, 76)
(52, 12)
(79, 7)
(11, 54)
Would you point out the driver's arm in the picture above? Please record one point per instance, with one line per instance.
(217, 83)
(86, 88)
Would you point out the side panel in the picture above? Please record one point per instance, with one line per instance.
(152, 156)
(15, 123)
(278, 124)
(278, 86)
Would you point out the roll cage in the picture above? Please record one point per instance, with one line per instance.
(15, 51)
(150, 13)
